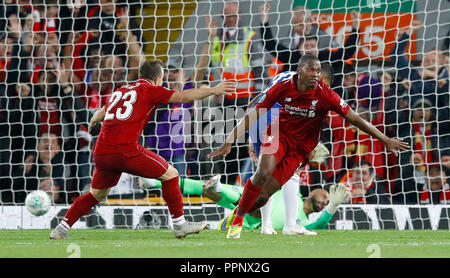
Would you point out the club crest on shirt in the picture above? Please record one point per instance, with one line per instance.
(312, 109)
(313, 104)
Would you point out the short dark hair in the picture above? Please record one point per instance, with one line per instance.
(328, 70)
(151, 69)
(434, 166)
(306, 58)
(172, 68)
(41, 5)
(349, 69)
(361, 163)
(312, 37)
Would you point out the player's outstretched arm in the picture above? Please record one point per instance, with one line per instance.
(392, 144)
(191, 95)
(337, 196)
(98, 117)
(240, 129)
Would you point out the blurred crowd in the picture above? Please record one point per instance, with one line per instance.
(61, 60)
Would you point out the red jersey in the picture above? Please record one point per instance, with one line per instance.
(302, 114)
(127, 113)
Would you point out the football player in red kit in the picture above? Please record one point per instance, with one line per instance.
(291, 137)
(117, 149)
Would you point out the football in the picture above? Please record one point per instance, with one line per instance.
(38, 202)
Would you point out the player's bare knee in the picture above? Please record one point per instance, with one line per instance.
(260, 177)
(171, 173)
(100, 194)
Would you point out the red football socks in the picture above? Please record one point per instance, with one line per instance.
(247, 201)
(79, 208)
(172, 196)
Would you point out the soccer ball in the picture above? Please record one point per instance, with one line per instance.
(38, 202)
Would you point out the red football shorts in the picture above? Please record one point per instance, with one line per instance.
(288, 154)
(141, 162)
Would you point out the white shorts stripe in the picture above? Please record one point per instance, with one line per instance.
(153, 159)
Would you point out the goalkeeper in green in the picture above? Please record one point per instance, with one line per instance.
(317, 201)
(228, 196)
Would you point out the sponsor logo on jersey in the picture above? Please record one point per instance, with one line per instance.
(305, 112)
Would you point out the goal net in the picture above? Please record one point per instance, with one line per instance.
(60, 61)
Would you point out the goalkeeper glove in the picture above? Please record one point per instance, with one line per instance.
(337, 196)
(320, 152)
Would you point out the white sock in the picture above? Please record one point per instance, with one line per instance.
(290, 197)
(63, 225)
(266, 210)
(179, 220)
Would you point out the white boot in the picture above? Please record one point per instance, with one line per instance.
(297, 230)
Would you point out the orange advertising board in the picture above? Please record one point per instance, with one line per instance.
(378, 32)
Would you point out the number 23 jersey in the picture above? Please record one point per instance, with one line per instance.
(127, 113)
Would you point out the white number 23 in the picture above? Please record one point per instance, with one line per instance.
(128, 104)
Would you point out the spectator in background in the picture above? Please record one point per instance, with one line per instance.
(431, 81)
(396, 101)
(303, 26)
(310, 45)
(170, 127)
(364, 94)
(17, 128)
(350, 84)
(396, 110)
(73, 15)
(45, 26)
(364, 185)
(436, 190)
(370, 105)
(99, 74)
(42, 167)
(167, 130)
(427, 147)
(54, 101)
(113, 70)
(20, 8)
(108, 75)
(45, 15)
(446, 42)
(60, 111)
(105, 17)
(236, 54)
(55, 191)
(197, 150)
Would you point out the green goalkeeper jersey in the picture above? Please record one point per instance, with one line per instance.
(277, 216)
(231, 195)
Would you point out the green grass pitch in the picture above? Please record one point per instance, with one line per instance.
(146, 243)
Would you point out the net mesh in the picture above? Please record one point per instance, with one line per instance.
(60, 61)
